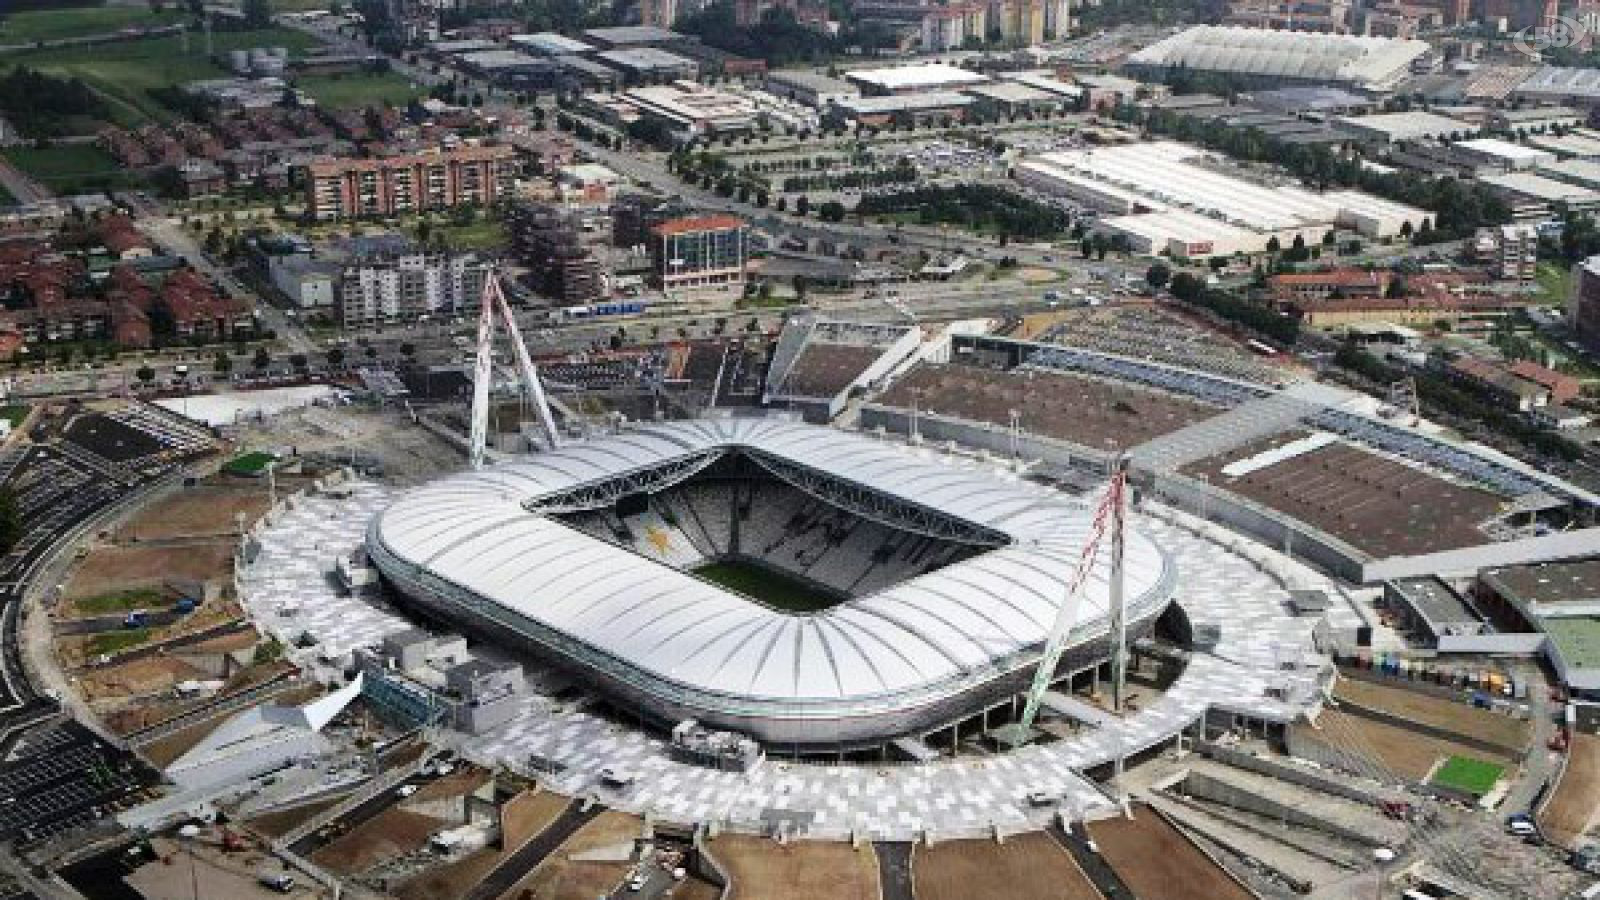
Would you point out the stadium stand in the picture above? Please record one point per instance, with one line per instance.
(1380, 505)
(693, 523)
(1144, 332)
(1090, 412)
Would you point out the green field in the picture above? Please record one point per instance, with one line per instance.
(1555, 283)
(116, 641)
(367, 89)
(483, 234)
(769, 587)
(71, 169)
(121, 601)
(1468, 775)
(125, 72)
(56, 24)
(14, 413)
(248, 463)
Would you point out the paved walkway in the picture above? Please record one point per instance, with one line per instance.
(1263, 666)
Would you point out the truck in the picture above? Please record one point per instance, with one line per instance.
(184, 606)
(135, 619)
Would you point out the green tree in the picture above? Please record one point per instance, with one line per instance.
(222, 365)
(10, 520)
(262, 359)
(1158, 275)
(335, 357)
(257, 13)
(145, 374)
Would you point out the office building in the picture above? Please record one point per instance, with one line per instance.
(701, 251)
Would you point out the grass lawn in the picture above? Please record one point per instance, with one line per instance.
(125, 72)
(55, 24)
(114, 641)
(248, 463)
(366, 89)
(121, 601)
(483, 234)
(14, 413)
(767, 586)
(72, 168)
(1555, 283)
(1472, 776)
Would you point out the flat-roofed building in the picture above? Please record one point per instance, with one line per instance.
(632, 36)
(921, 78)
(1535, 198)
(649, 63)
(699, 252)
(814, 89)
(1431, 609)
(1388, 128)
(1506, 155)
(548, 43)
(935, 106)
(1013, 97)
(437, 179)
(694, 109)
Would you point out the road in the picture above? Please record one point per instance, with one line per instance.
(20, 186)
(170, 235)
(525, 858)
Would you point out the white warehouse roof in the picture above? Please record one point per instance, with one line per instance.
(1285, 54)
(928, 76)
(666, 630)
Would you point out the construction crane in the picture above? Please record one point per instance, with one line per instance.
(496, 307)
(1109, 518)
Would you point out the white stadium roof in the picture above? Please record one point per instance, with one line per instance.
(664, 630)
(1285, 54)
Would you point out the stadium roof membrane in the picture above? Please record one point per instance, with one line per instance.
(940, 632)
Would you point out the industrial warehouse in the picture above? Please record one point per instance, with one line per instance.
(1172, 198)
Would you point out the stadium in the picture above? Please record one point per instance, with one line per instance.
(813, 588)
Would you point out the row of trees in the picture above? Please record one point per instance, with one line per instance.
(1227, 305)
(978, 207)
(1456, 399)
(903, 172)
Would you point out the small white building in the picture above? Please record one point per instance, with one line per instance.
(260, 740)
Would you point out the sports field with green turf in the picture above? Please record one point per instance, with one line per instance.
(767, 586)
(125, 72)
(1468, 775)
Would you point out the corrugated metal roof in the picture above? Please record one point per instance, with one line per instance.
(935, 629)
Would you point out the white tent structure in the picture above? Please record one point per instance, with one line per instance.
(260, 740)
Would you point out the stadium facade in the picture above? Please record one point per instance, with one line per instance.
(961, 572)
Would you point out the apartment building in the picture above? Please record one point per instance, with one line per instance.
(439, 179)
(404, 287)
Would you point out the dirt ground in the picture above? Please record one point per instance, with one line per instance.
(207, 509)
(763, 869)
(276, 824)
(1496, 728)
(109, 569)
(524, 818)
(560, 877)
(462, 781)
(138, 677)
(1572, 808)
(1036, 867)
(390, 833)
(1155, 860)
(1405, 753)
(213, 874)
